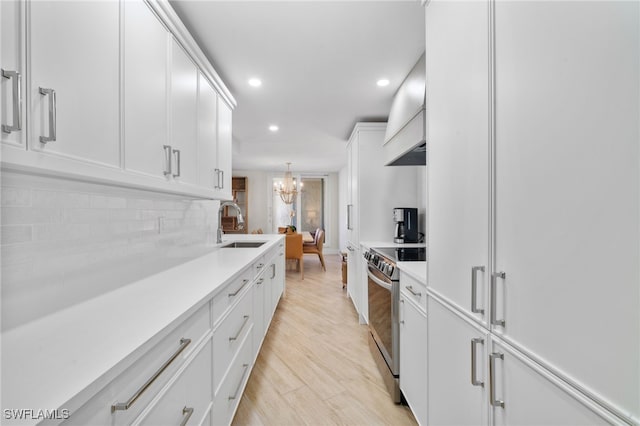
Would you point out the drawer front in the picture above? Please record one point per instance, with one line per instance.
(229, 335)
(228, 397)
(231, 294)
(414, 290)
(187, 399)
(123, 388)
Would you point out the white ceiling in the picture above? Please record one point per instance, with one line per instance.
(318, 61)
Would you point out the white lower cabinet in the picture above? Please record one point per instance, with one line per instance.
(457, 385)
(532, 397)
(187, 398)
(413, 351)
(228, 395)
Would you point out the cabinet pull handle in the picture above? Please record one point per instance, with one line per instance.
(232, 338)
(474, 344)
(474, 289)
(176, 154)
(167, 159)
(16, 101)
(492, 379)
(244, 282)
(273, 270)
(186, 415)
(217, 184)
(121, 406)
(222, 179)
(349, 207)
(52, 115)
(402, 311)
(412, 291)
(494, 298)
(260, 281)
(260, 265)
(235, 394)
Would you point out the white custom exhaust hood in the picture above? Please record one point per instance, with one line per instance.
(405, 139)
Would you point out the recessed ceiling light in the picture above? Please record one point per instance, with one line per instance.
(383, 82)
(255, 82)
(273, 128)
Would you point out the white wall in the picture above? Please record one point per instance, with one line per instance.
(260, 209)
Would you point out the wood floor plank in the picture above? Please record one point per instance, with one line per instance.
(315, 367)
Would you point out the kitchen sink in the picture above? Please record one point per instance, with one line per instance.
(244, 244)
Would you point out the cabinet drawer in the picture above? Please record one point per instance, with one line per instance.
(123, 388)
(230, 294)
(228, 336)
(188, 397)
(414, 290)
(228, 397)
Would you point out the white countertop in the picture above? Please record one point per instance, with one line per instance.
(48, 362)
(417, 270)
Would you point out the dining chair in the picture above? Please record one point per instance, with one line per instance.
(317, 247)
(293, 250)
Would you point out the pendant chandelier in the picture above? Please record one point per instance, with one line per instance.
(288, 190)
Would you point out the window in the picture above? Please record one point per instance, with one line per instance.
(307, 212)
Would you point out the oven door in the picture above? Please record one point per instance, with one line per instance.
(384, 297)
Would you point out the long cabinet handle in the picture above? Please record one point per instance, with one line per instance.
(187, 412)
(494, 298)
(474, 289)
(492, 380)
(474, 375)
(235, 394)
(16, 101)
(176, 154)
(402, 311)
(273, 270)
(222, 179)
(232, 338)
(235, 293)
(349, 207)
(412, 291)
(52, 115)
(121, 406)
(167, 159)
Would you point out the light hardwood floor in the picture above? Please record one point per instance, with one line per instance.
(315, 367)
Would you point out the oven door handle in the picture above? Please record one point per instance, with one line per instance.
(378, 280)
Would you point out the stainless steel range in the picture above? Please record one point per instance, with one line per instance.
(384, 295)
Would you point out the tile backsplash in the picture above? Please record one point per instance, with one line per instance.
(63, 241)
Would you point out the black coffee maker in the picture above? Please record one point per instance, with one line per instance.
(406, 220)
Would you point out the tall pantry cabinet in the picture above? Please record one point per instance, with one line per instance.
(534, 195)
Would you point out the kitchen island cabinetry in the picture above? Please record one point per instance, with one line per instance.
(534, 205)
(190, 349)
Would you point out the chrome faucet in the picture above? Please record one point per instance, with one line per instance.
(239, 215)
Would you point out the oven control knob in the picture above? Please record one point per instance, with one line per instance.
(390, 271)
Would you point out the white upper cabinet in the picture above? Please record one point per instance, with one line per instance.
(184, 116)
(145, 92)
(11, 81)
(207, 134)
(223, 160)
(458, 157)
(567, 189)
(74, 85)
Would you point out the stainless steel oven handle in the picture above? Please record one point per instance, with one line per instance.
(379, 281)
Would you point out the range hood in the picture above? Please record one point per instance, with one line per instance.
(405, 138)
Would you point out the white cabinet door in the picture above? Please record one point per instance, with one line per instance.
(74, 50)
(567, 189)
(453, 399)
(458, 157)
(354, 287)
(184, 115)
(225, 121)
(11, 91)
(531, 399)
(413, 358)
(145, 90)
(207, 134)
